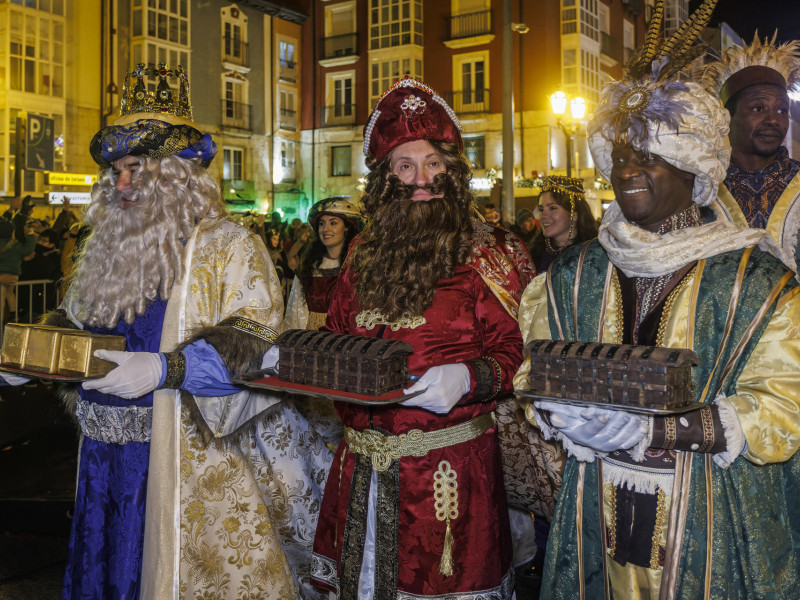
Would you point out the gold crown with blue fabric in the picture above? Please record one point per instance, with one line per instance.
(153, 123)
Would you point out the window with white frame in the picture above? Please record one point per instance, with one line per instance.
(233, 163)
(384, 73)
(287, 60)
(286, 54)
(569, 17)
(287, 113)
(341, 161)
(286, 171)
(234, 36)
(589, 18)
(628, 42)
(36, 53)
(340, 19)
(55, 7)
(235, 110)
(395, 23)
(153, 54)
(603, 18)
(160, 31)
(339, 97)
(475, 151)
(340, 28)
(165, 20)
(470, 81)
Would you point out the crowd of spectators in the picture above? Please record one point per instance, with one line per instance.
(35, 249)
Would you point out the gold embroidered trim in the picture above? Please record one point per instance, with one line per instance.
(445, 496)
(707, 421)
(670, 432)
(385, 448)
(612, 522)
(368, 319)
(620, 321)
(661, 512)
(252, 327)
(662, 325)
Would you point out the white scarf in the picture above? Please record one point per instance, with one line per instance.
(641, 253)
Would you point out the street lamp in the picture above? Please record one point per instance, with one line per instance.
(568, 123)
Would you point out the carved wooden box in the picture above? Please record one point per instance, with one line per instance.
(645, 377)
(349, 363)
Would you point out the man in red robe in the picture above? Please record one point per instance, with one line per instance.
(415, 505)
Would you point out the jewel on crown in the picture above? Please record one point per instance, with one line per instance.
(413, 105)
(137, 99)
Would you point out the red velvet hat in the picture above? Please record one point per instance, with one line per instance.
(408, 111)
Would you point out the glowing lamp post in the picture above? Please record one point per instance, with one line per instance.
(568, 123)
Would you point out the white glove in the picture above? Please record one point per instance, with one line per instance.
(138, 373)
(601, 429)
(14, 379)
(444, 386)
(270, 360)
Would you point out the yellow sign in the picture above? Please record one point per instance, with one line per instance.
(70, 179)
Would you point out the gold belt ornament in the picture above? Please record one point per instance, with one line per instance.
(385, 448)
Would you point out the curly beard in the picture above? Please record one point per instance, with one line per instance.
(134, 256)
(410, 246)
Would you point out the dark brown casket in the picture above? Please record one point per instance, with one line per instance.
(645, 377)
(349, 363)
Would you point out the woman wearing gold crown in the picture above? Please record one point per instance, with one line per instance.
(231, 496)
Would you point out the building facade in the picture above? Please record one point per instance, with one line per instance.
(49, 68)
(357, 48)
(244, 76)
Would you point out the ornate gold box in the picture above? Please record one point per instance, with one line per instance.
(77, 359)
(57, 351)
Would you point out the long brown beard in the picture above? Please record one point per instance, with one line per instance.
(409, 246)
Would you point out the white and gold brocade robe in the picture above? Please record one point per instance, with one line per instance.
(234, 518)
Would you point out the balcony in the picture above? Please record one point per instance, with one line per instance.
(338, 115)
(236, 115)
(338, 50)
(235, 52)
(469, 29)
(609, 50)
(468, 101)
(287, 119)
(287, 70)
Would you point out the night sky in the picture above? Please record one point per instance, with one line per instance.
(745, 16)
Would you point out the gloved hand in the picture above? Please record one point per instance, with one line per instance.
(138, 373)
(601, 429)
(270, 360)
(12, 379)
(444, 386)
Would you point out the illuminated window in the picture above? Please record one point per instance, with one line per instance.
(36, 54)
(475, 151)
(232, 161)
(395, 23)
(385, 73)
(234, 36)
(340, 161)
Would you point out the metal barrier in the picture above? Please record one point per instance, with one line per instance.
(37, 304)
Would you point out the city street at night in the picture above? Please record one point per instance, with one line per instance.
(38, 457)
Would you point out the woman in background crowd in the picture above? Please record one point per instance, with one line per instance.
(278, 256)
(335, 222)
(565, 217)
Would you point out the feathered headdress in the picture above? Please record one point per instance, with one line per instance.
(653, 111)
(758, 62)
(647, 89)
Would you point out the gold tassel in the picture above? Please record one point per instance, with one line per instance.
(446, 564)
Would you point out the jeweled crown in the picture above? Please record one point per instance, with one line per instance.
(137, 99)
